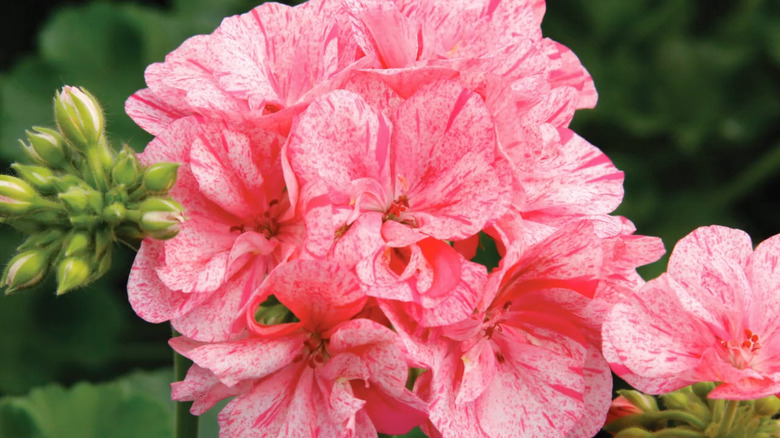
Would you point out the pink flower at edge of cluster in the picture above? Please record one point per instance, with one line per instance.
(711, 317)
(323, 375)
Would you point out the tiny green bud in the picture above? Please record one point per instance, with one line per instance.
(645, 403)
(64, 182)
(26, 269)
(41, 239)
(675, 400)
(39, 177)
(161, 218)
(75, 199)
(114, 213)
(767, 406)
(160, 177)
(71, 273)
(47, 147)
(16, 196)
(77, 244)
(79, 116)
(127, 169)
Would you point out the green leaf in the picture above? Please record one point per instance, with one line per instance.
(120, 409)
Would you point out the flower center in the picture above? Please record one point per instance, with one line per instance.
(265, 223)
(315, 351)
(741, 351)
(398, 206)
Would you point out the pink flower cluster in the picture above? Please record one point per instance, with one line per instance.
(343, 162)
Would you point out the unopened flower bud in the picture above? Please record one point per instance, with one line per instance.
(75, 199)
(26, 269)
(79, 116)
(46, 147)
(127, 169)
(161, 218)
(644, 402)
(16, 196)
(77, 244)
(71, 273)
(767, 406)
(160, 177)
(41, 239)
(64, 182)
(39, 177)
(676, 400)
(114, 213)
(703, 389)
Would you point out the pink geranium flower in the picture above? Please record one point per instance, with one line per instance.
(240, 225)
(316, 372)
(421, 170)
(264, 63)
(711, 317)
(525, 362)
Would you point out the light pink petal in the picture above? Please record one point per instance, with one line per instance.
(264, 411)
(204, 389)
(479, 367)
(648, 385)
(246, 359)
(187, 82)
(384, 32)
(319, 293)
(148, 296)
(392, 415)
(562, 174)
(222, 163)
(549, 385)
(221, 316)
(746, 389)
(598, 396)
(567, 71)
(361, 239)
(445, 161)
(150, 112)
(173, 143)
(571, 258)
(338, 139)
(709, 264)
(763, 271)
(653, 336)
(196, 259)
(455, 306)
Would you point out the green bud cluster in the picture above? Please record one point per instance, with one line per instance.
(688, 412)
(79, 196)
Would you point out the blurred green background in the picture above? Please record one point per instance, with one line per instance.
(689, 108)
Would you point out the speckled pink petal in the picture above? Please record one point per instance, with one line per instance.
(763, 272)
(204, 389)
(652, 335)
(222, 162)
(221, 317)
(321, 294)
(479, 367)
(196, 259)
(709, 265)
(445, 161)
(247, 359)
(598, 395)
(549, 385)
(148, 296)
(340, 129)
(150, 112)
(567, 71)
(384, 32)
(263, 412)
(565, 175)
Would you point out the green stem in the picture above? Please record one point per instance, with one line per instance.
(728, 418)
(186, 424)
